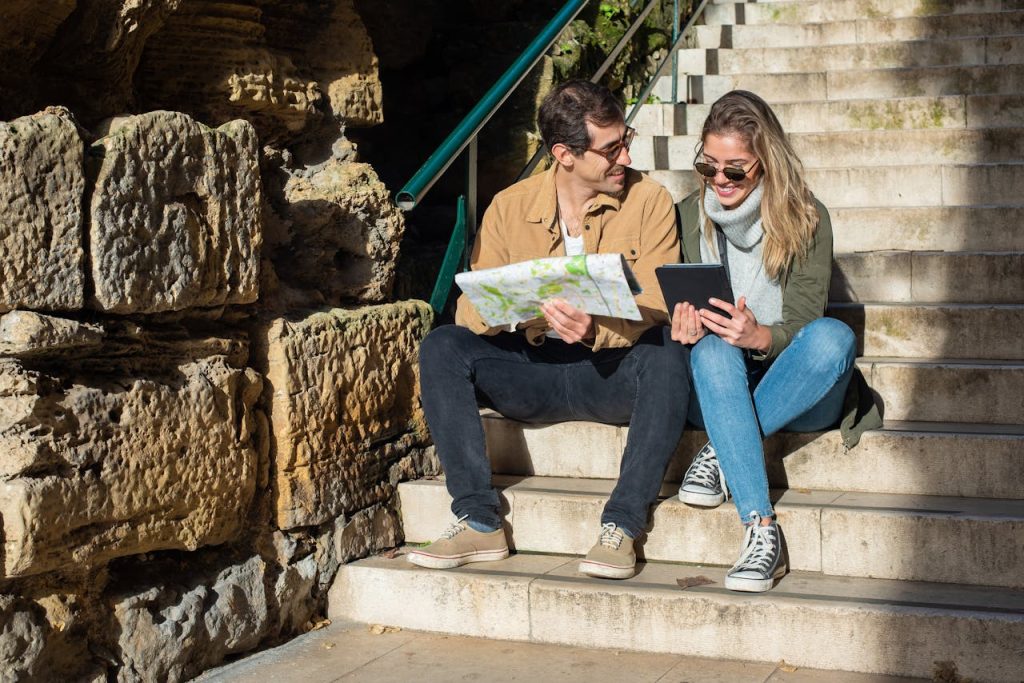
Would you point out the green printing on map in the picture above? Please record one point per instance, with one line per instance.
(502, 300)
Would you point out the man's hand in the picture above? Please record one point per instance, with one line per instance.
(571, 324)
(687, 327)
(741, 330)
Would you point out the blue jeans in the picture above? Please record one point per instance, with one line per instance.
(645, 386)
(739, 401)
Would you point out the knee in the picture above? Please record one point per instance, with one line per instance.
(713, 354)
(832, 342)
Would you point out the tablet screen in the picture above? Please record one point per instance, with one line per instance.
(696, 283)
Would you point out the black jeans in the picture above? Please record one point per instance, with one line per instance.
(646, 386)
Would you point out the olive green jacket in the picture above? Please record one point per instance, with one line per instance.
(804, 297)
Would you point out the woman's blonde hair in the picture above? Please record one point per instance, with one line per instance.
(788, 214)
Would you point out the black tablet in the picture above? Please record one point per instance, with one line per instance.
(696, 283)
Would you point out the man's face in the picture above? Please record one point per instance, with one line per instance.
(602, 167)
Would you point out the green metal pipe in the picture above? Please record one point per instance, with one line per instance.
(441, 159)
(454, 256)
(668, 59)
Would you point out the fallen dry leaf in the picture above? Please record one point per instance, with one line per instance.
(328, 646)
(690, 581)
(389, 554)
(803, 490)
(788, 668)
(317, 625)
(379, 629)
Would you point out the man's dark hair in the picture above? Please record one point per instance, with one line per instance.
(566, 109)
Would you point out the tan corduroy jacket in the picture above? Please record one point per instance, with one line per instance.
(640, 223)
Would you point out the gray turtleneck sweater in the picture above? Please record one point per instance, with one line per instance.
(744, 243)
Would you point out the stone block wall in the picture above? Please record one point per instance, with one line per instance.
(207, 393)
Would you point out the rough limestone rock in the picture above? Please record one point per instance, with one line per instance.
(344, 406)
(26, 29)
(175, 219)
(25, 334)
(236, 74)
(175, 630)
(41, 187)
(340, 56)
(97, 51)
(342, 234)
(43, 638)
(97, 465)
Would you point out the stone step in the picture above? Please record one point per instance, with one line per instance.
(947, 390)
(895, 187)
(959, 331)
(845, 10)
(954, 228)
(852, 84)
(860, 30)
(808, 620)
(945, 112)
(856, 149)
(910, 458)
(839, 533)
(929, 277)
(744, 59)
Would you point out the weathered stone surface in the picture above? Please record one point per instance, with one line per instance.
(26, 29)
(235, 75)
(339, 234)
(368, 531)
(41, 187)
(42, 638)
(175, 218)
(336, 50)
(99, 47)
(277, 65)
(174, 630)
(24, 333)
(97, 466)
(344, 407)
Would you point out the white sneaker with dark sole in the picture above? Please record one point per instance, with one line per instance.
(762, 560)
(704, 484)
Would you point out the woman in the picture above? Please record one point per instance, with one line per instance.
(774, 362)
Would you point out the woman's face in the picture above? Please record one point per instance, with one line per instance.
(730, 150)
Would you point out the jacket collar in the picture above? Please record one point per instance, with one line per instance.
(544, 207)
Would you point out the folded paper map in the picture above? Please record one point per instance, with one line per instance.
(600, 284)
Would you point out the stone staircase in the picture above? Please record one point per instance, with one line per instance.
(907, 550)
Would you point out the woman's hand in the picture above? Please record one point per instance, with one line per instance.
(742, 330)
(687, 327)
(571, 324)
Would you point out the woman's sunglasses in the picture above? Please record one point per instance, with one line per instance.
(733, 173)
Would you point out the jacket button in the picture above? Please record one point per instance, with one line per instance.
(632, 252)
(587, 226)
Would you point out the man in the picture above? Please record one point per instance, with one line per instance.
(568, 365)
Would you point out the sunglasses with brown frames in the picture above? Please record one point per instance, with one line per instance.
(733, 173)
(612, 153)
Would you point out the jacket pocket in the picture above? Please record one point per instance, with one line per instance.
(629, 247)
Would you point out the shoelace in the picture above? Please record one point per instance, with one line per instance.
(758, 547)
(611, 536)
(704, 470)
(457, 527)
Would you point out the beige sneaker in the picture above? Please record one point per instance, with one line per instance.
(612, 557)
(459, 545)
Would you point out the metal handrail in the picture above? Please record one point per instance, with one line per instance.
(442, 158)
(465, 134)
(678, 38)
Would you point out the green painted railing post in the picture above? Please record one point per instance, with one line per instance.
(454, 257)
